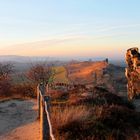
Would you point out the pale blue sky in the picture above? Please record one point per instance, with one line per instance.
(69, 27)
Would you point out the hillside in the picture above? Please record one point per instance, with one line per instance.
(83, 72)
(88, 73)
(92, 74)
(86, 108)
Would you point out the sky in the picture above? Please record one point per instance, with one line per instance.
(69, 28)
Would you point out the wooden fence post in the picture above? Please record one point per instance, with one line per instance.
(43, 112)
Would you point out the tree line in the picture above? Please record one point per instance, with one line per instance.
(38, 73)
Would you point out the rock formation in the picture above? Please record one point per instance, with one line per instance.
(133, 72)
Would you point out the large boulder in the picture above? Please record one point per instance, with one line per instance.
(133, 72)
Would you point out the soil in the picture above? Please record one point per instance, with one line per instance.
(18, 120)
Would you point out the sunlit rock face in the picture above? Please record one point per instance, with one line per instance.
(132, 72)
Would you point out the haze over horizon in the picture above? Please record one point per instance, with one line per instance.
(63, 28)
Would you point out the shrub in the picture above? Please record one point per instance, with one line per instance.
(62, 117)
(119, 117)
(101, 116)
(59, 95)
(100, 97)
(106, 123)
(23, 90)
(5, 88)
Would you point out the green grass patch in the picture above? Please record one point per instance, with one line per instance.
(60, 75)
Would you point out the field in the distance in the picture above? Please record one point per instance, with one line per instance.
(60, 75)
(83, 72)
(89, 73)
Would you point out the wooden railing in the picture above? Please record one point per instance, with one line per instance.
(43, 114)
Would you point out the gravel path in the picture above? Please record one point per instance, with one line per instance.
(18, 120)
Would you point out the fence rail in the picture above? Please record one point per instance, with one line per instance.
(43, 114)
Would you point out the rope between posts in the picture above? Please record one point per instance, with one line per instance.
(49, 122)
(47, 113)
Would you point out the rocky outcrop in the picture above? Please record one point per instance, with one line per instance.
(132, 72)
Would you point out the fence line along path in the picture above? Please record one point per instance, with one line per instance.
(43, 114)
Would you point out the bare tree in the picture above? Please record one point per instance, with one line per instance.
(40, 73)
(5, 70)
(5, 85)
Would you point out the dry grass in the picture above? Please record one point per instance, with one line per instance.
(99, 97)
(61, 75)
(59, 95)
(62, 116)
(98, 123)
(104, 116)
(82, 72)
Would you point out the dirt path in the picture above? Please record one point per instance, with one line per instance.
(18, 120)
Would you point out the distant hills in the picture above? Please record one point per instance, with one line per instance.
(16, 58)
(30, 59)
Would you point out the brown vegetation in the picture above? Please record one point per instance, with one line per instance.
(40, 73)
(23, 90)
(102, 116)
(5, 84)
(82, 72)
(98, 115)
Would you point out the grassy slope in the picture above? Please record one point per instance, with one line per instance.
(61, 75)
(83, 72)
